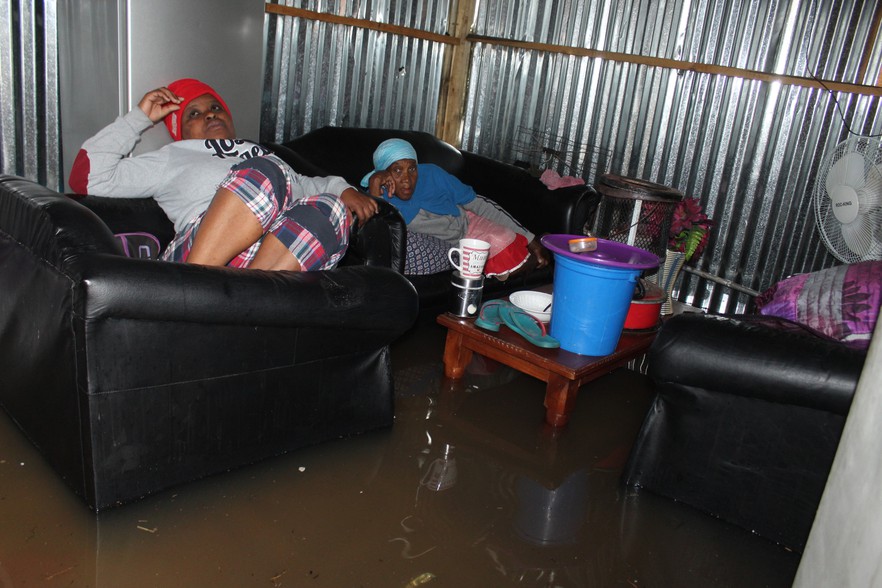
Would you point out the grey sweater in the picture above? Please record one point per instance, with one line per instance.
(182, 176)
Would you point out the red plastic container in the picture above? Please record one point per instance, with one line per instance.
(644, 313)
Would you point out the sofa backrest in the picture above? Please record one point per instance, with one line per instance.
(349, 152)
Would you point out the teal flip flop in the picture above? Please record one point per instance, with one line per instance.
(527, 326)
(488, 317)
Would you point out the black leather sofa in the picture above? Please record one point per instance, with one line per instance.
(133, 375)
(348, 152)
(746, 420)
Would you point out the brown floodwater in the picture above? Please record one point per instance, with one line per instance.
(468, 488)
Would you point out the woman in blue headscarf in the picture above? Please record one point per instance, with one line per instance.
(436, 203)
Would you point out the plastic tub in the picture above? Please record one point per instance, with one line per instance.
(593, 292)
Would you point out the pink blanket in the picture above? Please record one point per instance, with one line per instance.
(508, 250)
(554, 180)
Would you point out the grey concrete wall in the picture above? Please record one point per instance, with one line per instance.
(844, 548)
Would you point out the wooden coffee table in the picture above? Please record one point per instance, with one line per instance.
(563, 371)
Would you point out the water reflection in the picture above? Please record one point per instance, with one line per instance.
(551, 516)
(440, 474)
(468, 488)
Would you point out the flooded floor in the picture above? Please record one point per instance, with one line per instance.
(468, 488)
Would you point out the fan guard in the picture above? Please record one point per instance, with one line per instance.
(848, 200)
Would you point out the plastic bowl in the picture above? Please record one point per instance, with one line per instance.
(582, 245)
(537, 304)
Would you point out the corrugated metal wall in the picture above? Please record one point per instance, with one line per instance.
(320, 73)
(29, 118)
(748, 149)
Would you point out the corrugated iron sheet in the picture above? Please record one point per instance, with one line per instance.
(749, 150)
(321, 73)
(29, 115)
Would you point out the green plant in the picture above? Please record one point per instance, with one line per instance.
(690, 227)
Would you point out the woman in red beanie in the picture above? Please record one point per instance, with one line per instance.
(232, 201)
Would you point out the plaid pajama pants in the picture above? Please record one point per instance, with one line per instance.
(314, 228)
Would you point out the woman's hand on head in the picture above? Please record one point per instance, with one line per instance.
(158, 103)
(379, 181)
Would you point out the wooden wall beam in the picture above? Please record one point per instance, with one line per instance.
(361, 23)
(455, 74)
(735, 72)
(872, 38)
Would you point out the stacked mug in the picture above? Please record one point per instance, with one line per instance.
(468, 277)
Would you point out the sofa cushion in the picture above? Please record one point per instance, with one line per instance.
(841, 302)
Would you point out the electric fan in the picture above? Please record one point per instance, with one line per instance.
(848, 200)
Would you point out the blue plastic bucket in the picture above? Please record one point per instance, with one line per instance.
(593, 292)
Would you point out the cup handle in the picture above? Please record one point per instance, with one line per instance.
(450, 253)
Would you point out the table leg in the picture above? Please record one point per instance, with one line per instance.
(560, 398)
(456, 357)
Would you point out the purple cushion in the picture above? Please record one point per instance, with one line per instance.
(841, 302)
(140, 245)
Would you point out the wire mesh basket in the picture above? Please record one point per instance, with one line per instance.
(635, 212)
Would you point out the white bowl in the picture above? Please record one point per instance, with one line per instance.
(534, 303)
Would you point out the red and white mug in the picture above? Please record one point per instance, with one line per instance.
(472, 254)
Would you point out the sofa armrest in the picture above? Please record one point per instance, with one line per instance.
(381, 241)
(565, 210)
(745, 421)
(351, 298)
(748, 356)
(74, 240)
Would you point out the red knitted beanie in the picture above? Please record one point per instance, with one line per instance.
(188, 89)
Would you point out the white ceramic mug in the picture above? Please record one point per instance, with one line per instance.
(473, 254)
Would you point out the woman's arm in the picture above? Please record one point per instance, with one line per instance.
(101, 167)
(94, 170)
(361, 206)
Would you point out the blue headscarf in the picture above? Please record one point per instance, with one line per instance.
(387, 153)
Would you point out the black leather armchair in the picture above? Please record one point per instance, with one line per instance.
(746, 420)
(133, 375)
(348, 153)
